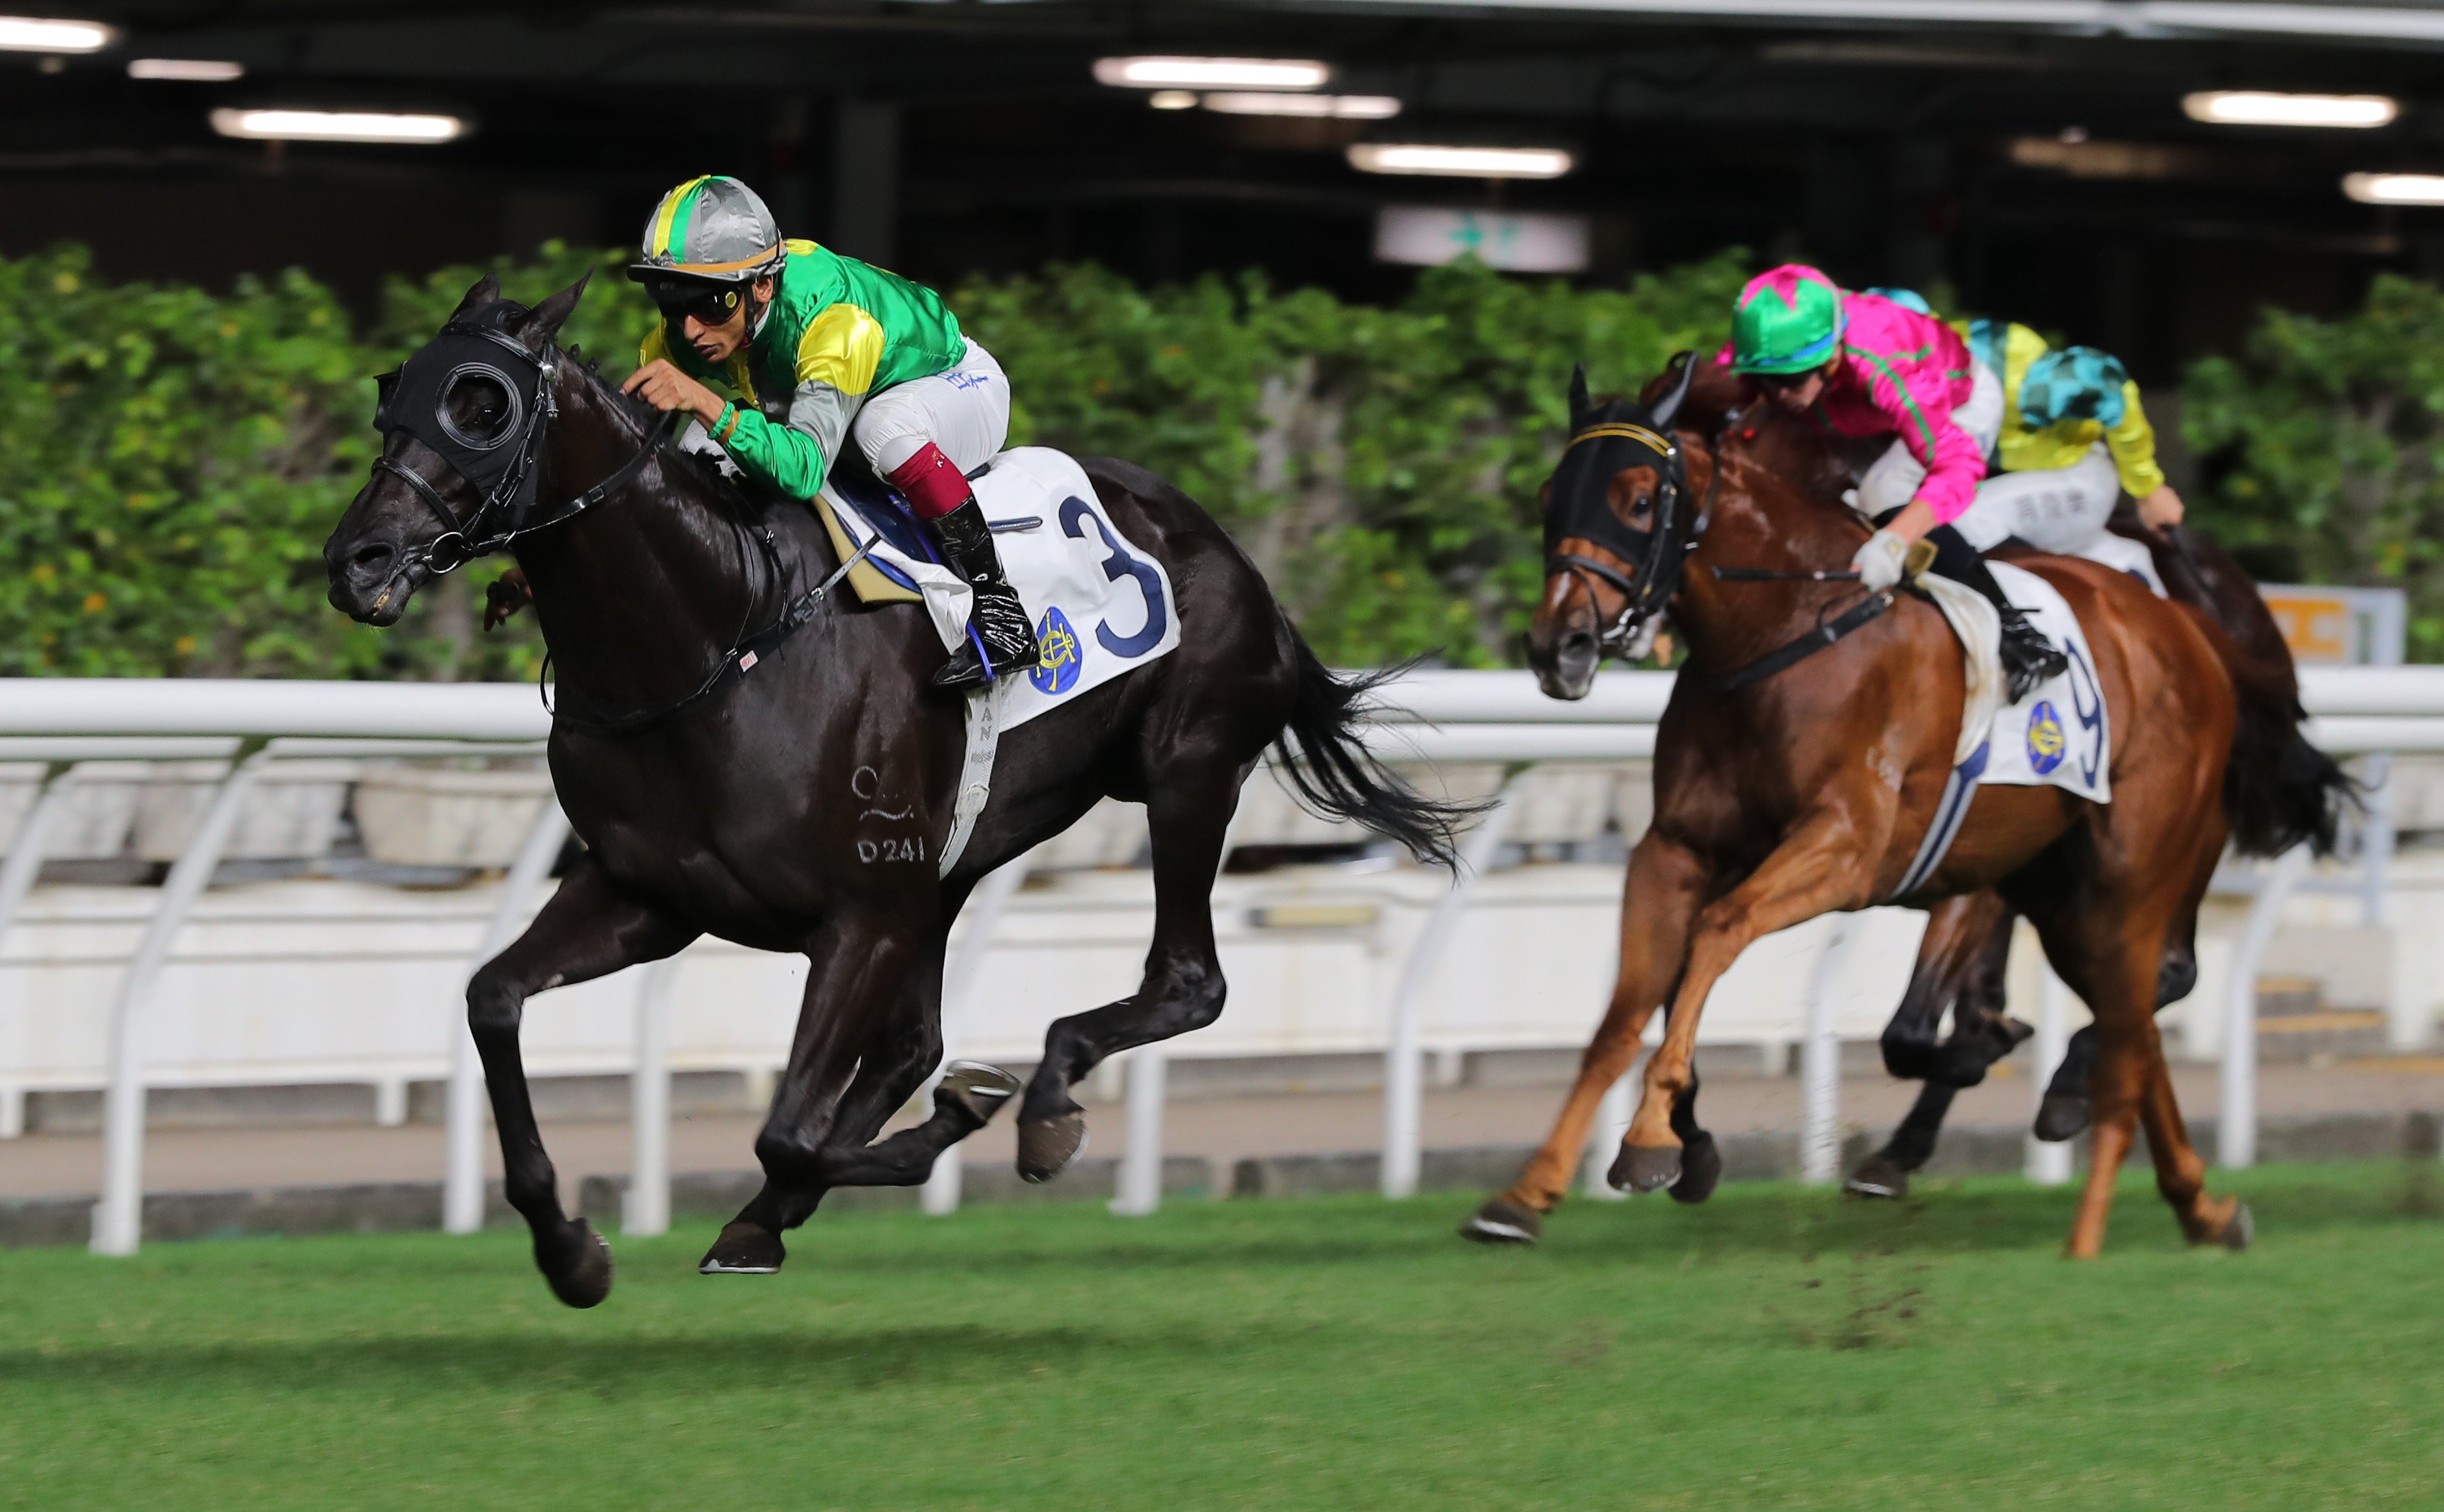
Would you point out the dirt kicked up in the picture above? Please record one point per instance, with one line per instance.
(1778, 1348)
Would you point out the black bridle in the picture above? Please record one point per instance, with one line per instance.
(503, 470)
(1605, 441)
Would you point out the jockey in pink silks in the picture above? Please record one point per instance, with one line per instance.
(1865, 365)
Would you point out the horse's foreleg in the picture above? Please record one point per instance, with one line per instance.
(1665, 885)
(1959, 966)
(586, 931)
(889, 1073)
(1189, 817)
(1819, 868)
(860, 962)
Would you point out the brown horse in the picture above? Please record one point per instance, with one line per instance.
(1801, 759)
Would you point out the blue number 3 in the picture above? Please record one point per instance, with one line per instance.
(1115, 566)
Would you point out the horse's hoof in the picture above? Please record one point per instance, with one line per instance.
(1644, 1167)
(976, 1090)
(1046, 1146)
(2060, 1117)
(2239, 1229)
(1701, 1168)
(578, 1266)
(1878, 1175)
(1500, 1222)
(744, 1249)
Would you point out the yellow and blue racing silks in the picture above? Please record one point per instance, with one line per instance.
(2057, 405)
(836, 332)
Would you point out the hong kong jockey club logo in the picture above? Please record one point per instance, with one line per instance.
(1056, 670)
(2047, 745)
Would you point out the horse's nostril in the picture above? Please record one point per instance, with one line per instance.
(370, 556)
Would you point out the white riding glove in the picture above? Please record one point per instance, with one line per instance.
(1881, 561)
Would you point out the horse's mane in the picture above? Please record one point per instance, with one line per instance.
(646, 423)
(1720, 405)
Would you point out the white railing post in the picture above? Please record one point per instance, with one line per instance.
(1140, 1179)
(646, 1210)
(2236, 1121)
(1820, 1061)
(25, 862)
(1404, 1067)
(2048, 1163)
(462, 1184)
(940, 1193)
(119, 1218)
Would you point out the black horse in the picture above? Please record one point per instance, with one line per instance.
(746, 756)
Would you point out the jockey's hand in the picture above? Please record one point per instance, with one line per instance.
(505, 595)
(1881, 560)
(666, 388)
(2160, 509)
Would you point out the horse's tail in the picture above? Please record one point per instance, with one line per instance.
(1335, 774)
(2278, 790)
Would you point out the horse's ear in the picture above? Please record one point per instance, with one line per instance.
(1669, 407)
(544, 322)
(1578, 394)
(485, 291)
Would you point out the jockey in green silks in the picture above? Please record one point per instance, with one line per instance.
(784, 350)
(2074, 438)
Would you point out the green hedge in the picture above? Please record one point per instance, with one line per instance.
(170, 460)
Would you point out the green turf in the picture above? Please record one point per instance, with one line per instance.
(1775, 1349)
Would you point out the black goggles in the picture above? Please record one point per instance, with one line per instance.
(708, 304)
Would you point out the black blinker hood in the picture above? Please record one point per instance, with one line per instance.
(501, 465)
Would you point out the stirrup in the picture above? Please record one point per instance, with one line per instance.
(1004, 632)
(2030, 660)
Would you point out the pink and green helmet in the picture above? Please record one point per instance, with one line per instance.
(1788, 320)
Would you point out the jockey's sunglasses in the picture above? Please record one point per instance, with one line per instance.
(707, 305)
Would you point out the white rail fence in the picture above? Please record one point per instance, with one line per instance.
(1440, 717)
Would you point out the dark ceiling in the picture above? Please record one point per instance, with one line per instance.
(1918, 153)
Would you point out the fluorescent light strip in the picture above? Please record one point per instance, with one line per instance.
(336, 125)
(36, 34)
(2134, 18)
(2395, 189)
(2251, 107)
(1333, 107)
(1212, 73)
(1459, 162)
(188, 70)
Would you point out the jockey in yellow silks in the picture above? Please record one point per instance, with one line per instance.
(784, 349)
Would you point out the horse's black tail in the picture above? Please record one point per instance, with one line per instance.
(1335, 774)
(2278, 790)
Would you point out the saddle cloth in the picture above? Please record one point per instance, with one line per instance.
(1100, 606)
(2057, 736)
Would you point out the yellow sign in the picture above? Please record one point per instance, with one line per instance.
(2316, 626)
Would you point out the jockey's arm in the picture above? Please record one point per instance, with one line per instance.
(2131, 441)
(837, 358)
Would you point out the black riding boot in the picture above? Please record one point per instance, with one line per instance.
(2029, 658)
(998, 618)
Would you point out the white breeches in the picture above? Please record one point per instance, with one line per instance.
(964, 410)
(2055, 509)
(1894, 480)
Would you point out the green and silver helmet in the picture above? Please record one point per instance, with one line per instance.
(1788, 320)
(705, 243)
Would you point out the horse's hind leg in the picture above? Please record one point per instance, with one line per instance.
(1189, 815)
(586, 931)
(2064, 1111)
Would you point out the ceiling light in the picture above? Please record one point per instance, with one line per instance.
(2254, 107)
(337, 125)
(1171, 99)
(1460, 162)
(1335, 107)
(190, 70)
(2395, 189)
(1211, 73)
(34, 34)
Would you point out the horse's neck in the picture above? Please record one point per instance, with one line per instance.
(638, 594)
(1760, 522)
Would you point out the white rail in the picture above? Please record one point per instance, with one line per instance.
(1439, 716)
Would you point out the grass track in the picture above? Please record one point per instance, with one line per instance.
(1775, 1349)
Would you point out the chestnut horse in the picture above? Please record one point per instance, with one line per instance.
(1961, 958)
(1801, 759)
